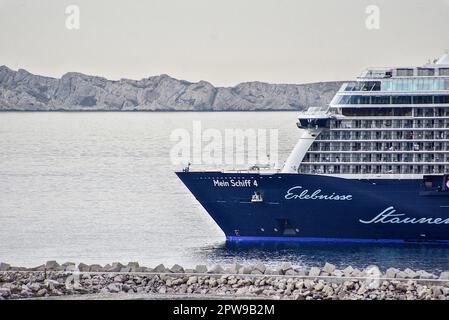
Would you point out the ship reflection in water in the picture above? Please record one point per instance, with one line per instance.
(429, 257)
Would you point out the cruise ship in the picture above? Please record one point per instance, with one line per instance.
(372, 166)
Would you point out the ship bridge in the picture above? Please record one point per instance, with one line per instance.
(312, 122)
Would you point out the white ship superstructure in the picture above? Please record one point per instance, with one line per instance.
(389, 123)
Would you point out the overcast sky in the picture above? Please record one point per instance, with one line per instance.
(224, 42)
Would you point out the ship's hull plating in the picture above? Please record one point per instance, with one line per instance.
(315, 207)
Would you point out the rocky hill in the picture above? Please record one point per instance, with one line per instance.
(23, 91)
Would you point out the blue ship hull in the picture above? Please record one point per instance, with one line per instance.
(315, 207)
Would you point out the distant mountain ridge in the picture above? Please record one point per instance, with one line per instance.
(23, 91)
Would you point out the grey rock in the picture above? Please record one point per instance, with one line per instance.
(114, 287)
(51, 284)
(21, 90)
(160, 269)
(52, 265)
(118, 279)
(436, 291)
(422, 274)
(410, 274)
(348, 271)
(5, 292)
(290, 272)
(284, 267)
(260, 267)
(95, 268)
(338, 273)
(444, 275)
(35, 286)
(391, 273)
(116, 267)
(4, 266)
(255, 271)
(68, 266)
(314, 271)
(42, 292)
(300, 272)
(82, 267)
(125, 269)
(246, 269)
(201, 269)
(177, 269)
(272, 272)
(217, 269)
(192, 280)
(241, 291)
(328, 268)
(134, 266)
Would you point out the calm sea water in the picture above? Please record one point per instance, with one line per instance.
(100, 187)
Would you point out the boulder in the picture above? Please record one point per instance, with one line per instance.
(328, 268)
(82, 267)
(201, 269)
(192, 280)
(114, 287)
(42, 292)
(4, 266)
(116, 267)
(284, 267)
(125, 269)
(422, 274)
(314, 272)
(95, 268)
(391, 273)
(348, 271)
(52, 265)
(272, 272)
(260, 266)
(217, 269)
(290, 272)
(255, 271)
(437, 291)
(177, 269)
(410, 274)
(134, 266)
(246, 269)
(68, 266)
(300, 272)
(5, 292)
(160, 269)
(444, 275)
(338, 273)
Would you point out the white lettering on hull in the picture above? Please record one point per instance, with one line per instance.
(234, 183)
(389, 215)
(298, 193)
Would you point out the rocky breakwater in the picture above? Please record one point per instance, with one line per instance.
(232, 281)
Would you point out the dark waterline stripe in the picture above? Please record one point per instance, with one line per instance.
(353, 240)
